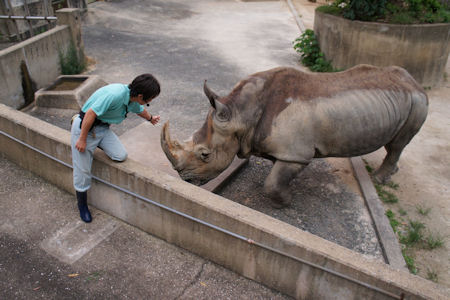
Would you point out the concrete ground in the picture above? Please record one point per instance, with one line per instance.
(46, 251)
(181, 43)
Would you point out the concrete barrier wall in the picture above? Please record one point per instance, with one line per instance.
(41, 57)
(421, 49)
(283, 264)
(37, 59)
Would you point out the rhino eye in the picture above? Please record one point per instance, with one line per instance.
(204, 155)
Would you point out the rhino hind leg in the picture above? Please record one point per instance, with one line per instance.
(395, 147)
(388, 167)
(276, 184)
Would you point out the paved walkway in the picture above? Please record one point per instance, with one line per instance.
(47, 252)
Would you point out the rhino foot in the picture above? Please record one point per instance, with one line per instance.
(381, 177)
(279, 204)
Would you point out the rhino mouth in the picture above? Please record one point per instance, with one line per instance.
(197, 182)
(194, 179)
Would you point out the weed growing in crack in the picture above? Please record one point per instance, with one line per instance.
(434, 241)
(410, 263)
(385, 195)
(392, 220)
(423, 211)
(432, 275)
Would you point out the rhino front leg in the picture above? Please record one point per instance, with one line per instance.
(277, 183)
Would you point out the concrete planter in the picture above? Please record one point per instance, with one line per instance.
(68, 91)
(421, 49)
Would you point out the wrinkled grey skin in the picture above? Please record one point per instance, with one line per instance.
(291, 117)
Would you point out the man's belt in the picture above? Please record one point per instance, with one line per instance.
(97, 122)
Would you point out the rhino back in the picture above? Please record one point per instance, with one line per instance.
(341, 114)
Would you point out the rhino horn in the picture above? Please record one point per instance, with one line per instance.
(167, 144)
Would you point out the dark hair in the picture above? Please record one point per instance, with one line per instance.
(144, 84)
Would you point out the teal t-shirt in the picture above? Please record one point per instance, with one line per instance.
(111, 103)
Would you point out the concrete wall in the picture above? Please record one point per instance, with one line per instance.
(287, 269)
(421, 49)
(40, 56)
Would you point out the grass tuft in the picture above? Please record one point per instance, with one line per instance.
(410, 262)
(432, 275)
(392, 220)
(385, 196)
(434, 241)
(413, 234)
(423, 211)
(402, 212)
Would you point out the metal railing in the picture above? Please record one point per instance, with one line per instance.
(28, 17)
(14, 30)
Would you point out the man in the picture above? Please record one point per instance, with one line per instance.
(90, 128)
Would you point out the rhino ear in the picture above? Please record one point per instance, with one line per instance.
(223, 113)
(210, 94)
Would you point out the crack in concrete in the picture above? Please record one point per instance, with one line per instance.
(193, 281)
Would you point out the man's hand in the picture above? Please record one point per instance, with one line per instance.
(81, 145)
(86, 125)
(155, 119)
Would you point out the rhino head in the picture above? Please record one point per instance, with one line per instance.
(210, 150)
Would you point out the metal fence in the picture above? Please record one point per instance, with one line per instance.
(21, 19)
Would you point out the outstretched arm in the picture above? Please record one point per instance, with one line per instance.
(146, 115)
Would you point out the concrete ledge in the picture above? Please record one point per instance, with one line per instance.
(386, 236)
(283, 257)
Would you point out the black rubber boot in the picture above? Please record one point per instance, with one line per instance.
(85, 214)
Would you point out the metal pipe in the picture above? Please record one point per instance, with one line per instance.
(223, 230)
(28, 17)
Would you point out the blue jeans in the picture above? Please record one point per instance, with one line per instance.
(100, 136)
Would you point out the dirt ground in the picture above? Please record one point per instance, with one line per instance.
(423, 178)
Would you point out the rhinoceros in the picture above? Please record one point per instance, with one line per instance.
(291, 117)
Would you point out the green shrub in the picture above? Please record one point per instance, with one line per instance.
(70, 63)
(364, 10)
(311, 56)
(330, 9)
(390, 11)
